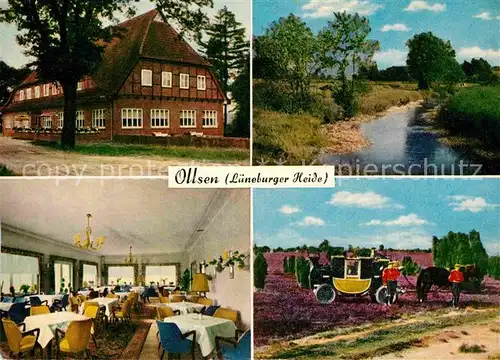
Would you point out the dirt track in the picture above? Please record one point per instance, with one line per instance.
(24, 158)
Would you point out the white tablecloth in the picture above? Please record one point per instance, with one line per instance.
(47, 323)
(207, 329)
(5, 306)
(84, 292)
(122, 295)
(106, 302)
(183, 307)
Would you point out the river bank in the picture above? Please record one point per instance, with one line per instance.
(345, 137)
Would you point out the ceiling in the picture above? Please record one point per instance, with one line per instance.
(144, 214)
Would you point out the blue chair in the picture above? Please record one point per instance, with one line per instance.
(210, 311)
(173, 341)
(235, 349)
(19, 299)
(60, 305)
(18, 312)
(35, 301)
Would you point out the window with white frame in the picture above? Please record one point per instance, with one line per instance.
(120, 274)
(163, 274)
(89, 275)
(79, 86)
(17, 270)
(60, 120)
(46, 89)
(132, 118)
(188, 118)
(80, 119)
(37, 92)
(160, 118)
(146, 77)
(28, 93)
(184, 81)
(47, 122)
(201, 82)
(210, 118)
(55, 89)
(21, 95)
(99, 118)
(63, 275)
(166, 79)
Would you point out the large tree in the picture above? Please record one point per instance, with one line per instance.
(431, 59)
(240, 89)
(287, 49)
(9, 78)
(67, 38)
(344, 44)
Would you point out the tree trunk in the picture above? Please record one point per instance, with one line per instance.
(68, 137)
(423, 84)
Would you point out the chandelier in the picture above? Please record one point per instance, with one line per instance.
(88, 243)
(129, 259)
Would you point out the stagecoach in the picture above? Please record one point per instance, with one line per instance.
(349, 276)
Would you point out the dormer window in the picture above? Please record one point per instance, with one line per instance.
(21, 95)
(166, 79)
(146, 77)
(184, 81)
(201, 82)
(37, 92)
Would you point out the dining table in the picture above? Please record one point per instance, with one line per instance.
(48, 323)
(185, 307)
(50, 298)
(207, 328)
(107, 303)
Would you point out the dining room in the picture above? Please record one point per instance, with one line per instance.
(123, 269)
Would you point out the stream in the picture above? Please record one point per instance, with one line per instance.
(402, 145)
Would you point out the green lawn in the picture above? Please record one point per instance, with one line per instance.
(182, 152)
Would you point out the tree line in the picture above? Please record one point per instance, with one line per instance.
(67, 39)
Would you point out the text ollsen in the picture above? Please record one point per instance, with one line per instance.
(250, 176)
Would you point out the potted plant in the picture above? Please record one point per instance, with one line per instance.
(186, 280)
(61, 288)
(25, 288)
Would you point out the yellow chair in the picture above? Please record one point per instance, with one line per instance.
(92, 311)
(82, 298)
(20, 342)
(112, 296)
(74, 304)
(76, 339)
(205, 301)
(89, 303)
(164, 300)
(39, 310)
(123, 314)
(192, 298)
(228, 314)
(163, 312)
(178, 298)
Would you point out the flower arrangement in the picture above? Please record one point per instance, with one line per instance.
(228, 260)
(25, 288)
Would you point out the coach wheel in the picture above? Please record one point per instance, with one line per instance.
(325, 294)
(381, 295)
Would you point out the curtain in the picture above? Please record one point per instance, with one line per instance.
(17, 270)
(124, 273)
(89, 274)
(158, 273)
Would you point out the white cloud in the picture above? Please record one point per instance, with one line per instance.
(483, 16)
(470, 203)
(287, 209)
(403, 220)
(408, 239)
(492, 55)
(325, 8)
(418, 5)
(391, 57)
(492, 248)
(311, 221)
(370, 200)
(395, 27)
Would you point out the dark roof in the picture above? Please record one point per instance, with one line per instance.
(142, 36)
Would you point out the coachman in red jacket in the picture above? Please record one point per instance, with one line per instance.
(456, 278)
(390, 278)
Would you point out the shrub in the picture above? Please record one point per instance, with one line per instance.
(285, 265)
(302, 272)
(494, 267)
(464, 348)
(326, 109)
(259, 271)
(291, 265)
(410, 266)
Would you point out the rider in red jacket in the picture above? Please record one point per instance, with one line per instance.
(456, 278)
(390, 278)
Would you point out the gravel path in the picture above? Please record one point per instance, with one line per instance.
(24, 158)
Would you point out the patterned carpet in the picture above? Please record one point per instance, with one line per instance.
(116, 341)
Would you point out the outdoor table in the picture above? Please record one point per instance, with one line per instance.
(48, 323)
(103, 302)
(207, 328)
(184, 307)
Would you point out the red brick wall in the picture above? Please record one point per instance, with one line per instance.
(175, 108)
(133, 83)
(80, 138)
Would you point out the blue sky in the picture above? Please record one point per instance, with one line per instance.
(399, 213)
(12, 53)
(472, 26)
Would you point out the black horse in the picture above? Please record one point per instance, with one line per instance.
(439, 277)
